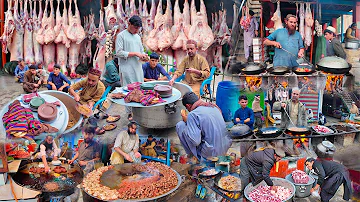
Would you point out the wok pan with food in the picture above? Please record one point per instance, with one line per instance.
(229, 182)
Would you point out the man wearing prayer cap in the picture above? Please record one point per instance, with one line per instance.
(195, 67)
(333, 46)
(90, 89)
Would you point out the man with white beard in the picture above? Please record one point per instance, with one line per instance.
(289, 39)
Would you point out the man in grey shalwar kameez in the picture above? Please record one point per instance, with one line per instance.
(249, 33)
(130, 51)
(203, 132)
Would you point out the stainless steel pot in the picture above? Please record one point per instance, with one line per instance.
(164, 116)
(352, 44)
(70, 104)
(326, 148)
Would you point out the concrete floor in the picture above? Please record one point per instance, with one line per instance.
(10, 90)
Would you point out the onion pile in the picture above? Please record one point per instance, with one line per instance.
(300, 177)
(265, 194)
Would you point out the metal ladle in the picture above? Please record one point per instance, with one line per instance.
(289, 117)
(299, 61)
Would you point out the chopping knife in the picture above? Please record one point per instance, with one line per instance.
(296, 56)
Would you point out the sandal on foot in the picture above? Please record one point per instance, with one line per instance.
(99, 131)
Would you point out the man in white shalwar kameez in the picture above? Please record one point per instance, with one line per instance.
(130, 51)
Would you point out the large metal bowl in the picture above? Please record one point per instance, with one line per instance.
(277, 182)
(145, 199)
(70, 104)
(164, 116)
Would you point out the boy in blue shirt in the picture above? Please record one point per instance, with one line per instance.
(56, 80)
(153, 69)
(20, 70)
(244, 115)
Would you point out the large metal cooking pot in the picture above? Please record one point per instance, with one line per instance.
(70, 104)
(334, 65)
(352, 44)
(164, 116)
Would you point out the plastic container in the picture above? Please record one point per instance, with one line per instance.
(227, 96)
(302, 190)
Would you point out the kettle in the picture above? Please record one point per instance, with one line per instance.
(326, 148)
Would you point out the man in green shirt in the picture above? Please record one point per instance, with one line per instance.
(111, 74)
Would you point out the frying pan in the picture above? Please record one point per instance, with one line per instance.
(201, 175)
(253, 68)
(67, 182)
(269, 132)
(297, 130)
(279, 70)
(311, 67)
(218, 177)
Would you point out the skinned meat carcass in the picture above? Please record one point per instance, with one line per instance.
(159, 21)
(147, 23)
(180, 30)
(165, 37)
(17, 45)
(140, 8)
(152, 14)
(302, 20)
(224, 32)
(277, 17)
(38, 49)
(200, 30)
(127, 9)
(49, 48)
(99, 56)
(75, 32)
(309, 22)
(222, 37)
(61, 40)
(121, 16)
(9, 27)
(28, 35)
(186, 13)
(110, 16)
(133, 10)
(49, 32)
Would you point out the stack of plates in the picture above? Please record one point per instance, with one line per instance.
(36, 102)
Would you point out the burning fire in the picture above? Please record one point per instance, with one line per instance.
(300, 141)
(253, 82)
(333, 82)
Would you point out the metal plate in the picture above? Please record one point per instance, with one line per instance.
(176, 95)
(146, 199)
